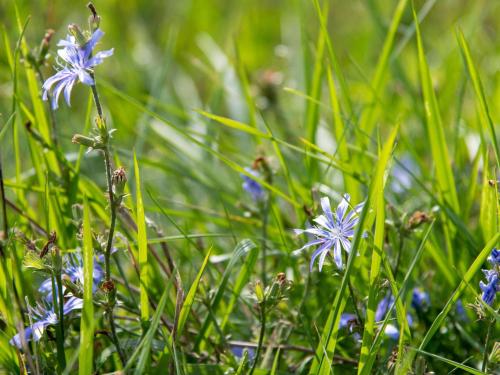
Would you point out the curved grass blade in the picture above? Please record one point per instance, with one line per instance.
(435, 130)
(481, 103)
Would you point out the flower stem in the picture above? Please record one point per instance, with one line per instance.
(60, 330)
(261, 335)
(486, 344)
(112, 207)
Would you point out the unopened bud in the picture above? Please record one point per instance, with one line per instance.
(259, 291)
(44, 46)
(94, 19)
(77, 33)
(83, 140)
(119, 181)
(417, 219)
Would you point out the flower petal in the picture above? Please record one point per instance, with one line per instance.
(337, 255)
(342, 207)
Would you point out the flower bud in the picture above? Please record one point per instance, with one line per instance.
(94, 19)
(83, 140)
(44, 46)
(77, 33)
(119, 180)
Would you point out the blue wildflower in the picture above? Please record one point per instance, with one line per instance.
(494, 257)
(253, 187)
(78, 64)
(44, 317)
(383, 308)
(420, 299)
(348, 320)
(333, 231)
(491, 288)
(492, 285)
(74, 271)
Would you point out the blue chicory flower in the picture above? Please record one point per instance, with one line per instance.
(334, 230)
(383, 308)
(44, 317)
(78, 64)
(494, 257)
(252, 187)
(491, 288)
(74, 270)
(420, 299)
(492, 285)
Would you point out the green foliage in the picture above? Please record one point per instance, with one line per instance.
(378, 99)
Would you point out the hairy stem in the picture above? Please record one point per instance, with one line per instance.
(112, 208)
(261, 335)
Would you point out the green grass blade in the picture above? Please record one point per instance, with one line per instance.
(481, 103)
(368, 118)
(435, 130)
(142, 243)
(466, 279)
(85, 359)
(235, 124)
(488, 210)
(461, 366)
(188, 302)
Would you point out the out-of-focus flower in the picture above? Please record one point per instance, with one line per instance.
(383, 308)
(252, 187)
(44, 317)
(334, 230)
(420, 299)
(77, 65)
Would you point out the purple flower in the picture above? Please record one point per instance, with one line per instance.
(420, 299)
(74, 270)
(383, 308)
(494, 257)
(253, 187)
(491, 288)
(334, 230)
(492, 285)
(44, 317)
(77, 66)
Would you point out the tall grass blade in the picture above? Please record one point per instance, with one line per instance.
(142, 243)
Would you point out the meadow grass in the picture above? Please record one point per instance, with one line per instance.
(148, 227)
